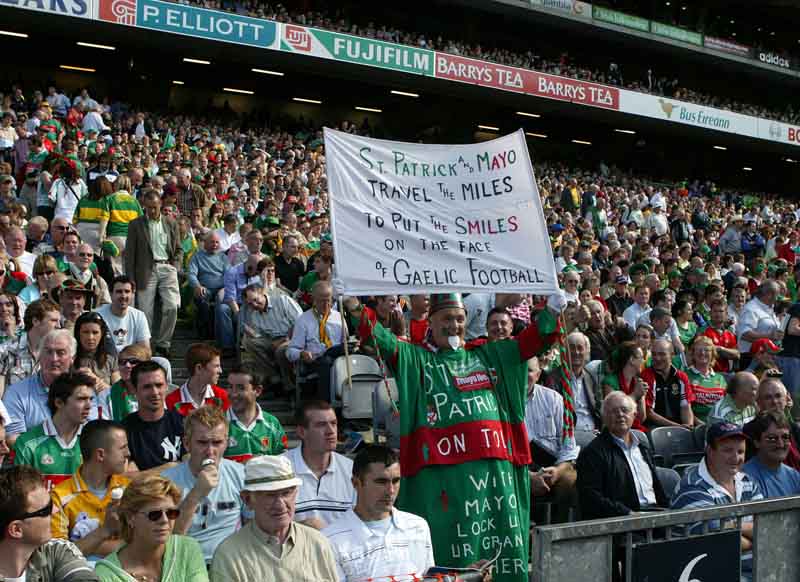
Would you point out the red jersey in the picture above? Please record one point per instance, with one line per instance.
(181, 402)
(723, 339)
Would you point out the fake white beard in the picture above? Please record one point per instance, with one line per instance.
(454, 341)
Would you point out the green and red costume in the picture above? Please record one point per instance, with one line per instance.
(464, 451)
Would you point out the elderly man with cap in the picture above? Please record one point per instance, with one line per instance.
(464, 443)
(718, 480)
(273, 547)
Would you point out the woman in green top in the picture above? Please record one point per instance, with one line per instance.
(687, 328)
(708, 386)
(151, 552)
(90, 210)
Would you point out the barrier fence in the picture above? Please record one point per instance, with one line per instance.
(656, 546)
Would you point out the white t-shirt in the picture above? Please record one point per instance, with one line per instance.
(127, 330)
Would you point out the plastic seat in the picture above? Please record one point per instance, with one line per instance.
(669, 479)
(385, 419)
(670, 442)
(700, 437)
(355, 400)
(584, 437)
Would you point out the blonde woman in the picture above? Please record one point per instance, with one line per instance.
(708, 385)
(151, 552)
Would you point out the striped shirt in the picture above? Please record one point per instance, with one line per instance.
(698, 489)
(708, 390)
(725, 410)
(43, 449)
(88, 210)
(119, 209)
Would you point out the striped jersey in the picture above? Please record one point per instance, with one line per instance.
(88, 210)
(43, 449)
(708, 390)
(120, 209)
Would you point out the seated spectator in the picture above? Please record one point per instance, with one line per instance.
(19, 358)
(616, 474)
(639, 307)
(27, 551)
(708, 386)
(321, 272)
(120, 399)
(252, 431)
(81, 270)
(45, 280)
(147, 512)
(762, 354)
(722, 337)
(739, 404)
(251, 245)
(38, 226)
(553, 448)
(771, 435)
(620, 300)
(673, 395)
(229, 233)
(52, 447)
(327, 491)
(374, 540)
(128, 325)
(26, 400)
(718, 480)
(236, 280)
(273, 547)
(317, 337)
(624, 373)
(206, 274)
(155, 433)
(84, 514)
(288, 267)
(211, 508)
(266, 332)
(773, 397)
(67, 253)
(15, 247)
(499, 324)
(600, 337)
(585, 389)
(92, 357)
(204, 367)
(74, 299)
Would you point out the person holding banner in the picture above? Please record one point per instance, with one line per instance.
(464, 448)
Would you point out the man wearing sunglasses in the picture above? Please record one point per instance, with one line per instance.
(26, 549)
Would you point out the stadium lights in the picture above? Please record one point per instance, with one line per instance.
(17, 34)
(790, 161)
(266, 72)
(524, 114)
(541, 135)
(404, 93)
(489, 127)
(581, 142)
(105, 47)
(72, 68)
(241, 91)
(178, 83)
(747, 169)
(302, 100)
(370, 109)
(196, 61)
(723, 148)
(628, 131)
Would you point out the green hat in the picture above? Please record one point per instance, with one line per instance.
(759, 268)
(441, 301)
(639, 268)
(299, 213)
(273, 221)
(109, 248)
(571, 269)
(674, 275)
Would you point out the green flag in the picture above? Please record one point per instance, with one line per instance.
(169, 141)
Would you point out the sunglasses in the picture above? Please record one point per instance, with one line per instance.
(45, 511)
(86, 255)
(46, 273)
(156, 514)
(129, 362)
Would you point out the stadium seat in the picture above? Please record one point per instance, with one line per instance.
(673, 444)
(700, 437)
(385, 420)
(365, 373)
(583, 437)
(669, 479)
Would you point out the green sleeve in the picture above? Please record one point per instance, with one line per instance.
(191, 562)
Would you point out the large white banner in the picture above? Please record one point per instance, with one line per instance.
(420, 218)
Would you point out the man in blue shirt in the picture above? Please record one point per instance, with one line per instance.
(771, 436)
(207, 279)
(212, 509)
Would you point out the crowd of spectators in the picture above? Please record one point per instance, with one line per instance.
(679, 309)
(539, 57)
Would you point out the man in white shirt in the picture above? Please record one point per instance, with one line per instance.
(229, 233)
(127, 324)
(15, 246)
(327, 492)
(374, 540)
(758, 319)
(640, 306)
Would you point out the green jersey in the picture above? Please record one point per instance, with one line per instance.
(464, 450)
(118, 401)
(707, 391)
(265, 436)
(42, 449)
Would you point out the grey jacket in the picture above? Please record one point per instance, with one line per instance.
(59, 561)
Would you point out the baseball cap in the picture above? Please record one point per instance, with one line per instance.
(762, 344)
(621, 280)
(723, 430)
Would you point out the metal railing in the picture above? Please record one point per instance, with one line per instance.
(582, 551)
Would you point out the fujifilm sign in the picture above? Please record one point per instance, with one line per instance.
(773, 59)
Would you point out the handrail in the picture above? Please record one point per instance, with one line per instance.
(625, 524)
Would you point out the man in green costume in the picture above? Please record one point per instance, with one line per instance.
(464, 450)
